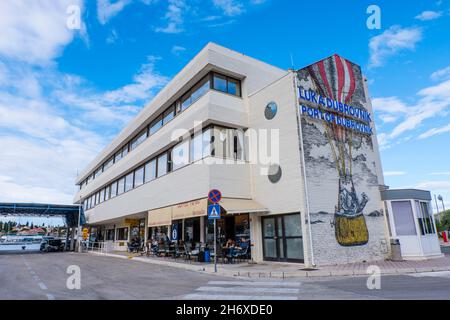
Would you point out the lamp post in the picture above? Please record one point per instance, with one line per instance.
(442, 200)
(437, 209)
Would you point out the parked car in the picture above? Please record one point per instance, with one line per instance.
(52, 245)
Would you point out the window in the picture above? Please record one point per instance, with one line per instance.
(114, 189)
(200, 89)
(120, 186)
(234, 87)
(424, 217)
(139, 177)
(156, 125)
(162, 164)
(89, 179)
(125, 151)
(227, 84)
(118, 155)
(97, 198)
(403, 218)
(110, 234)
(185, 101)
(129, 182)
(98, 172)
(107, 194)
(180, 155)
(138, 140)
(122, 234)
(169, 114)
(102, 195)
(220, 82)
(150, 170)
(108, 163)
(91, 202)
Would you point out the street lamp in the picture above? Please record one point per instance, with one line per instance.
(442, 200)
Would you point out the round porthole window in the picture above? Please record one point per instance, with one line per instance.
(271, 110)
(274, 173)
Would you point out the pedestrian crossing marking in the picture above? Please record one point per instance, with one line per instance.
(246, 290)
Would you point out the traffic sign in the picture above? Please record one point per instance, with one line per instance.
(214, 196)
(214, 211)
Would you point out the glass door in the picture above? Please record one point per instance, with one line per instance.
(282, 238)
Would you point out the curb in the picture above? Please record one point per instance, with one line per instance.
(273, 274)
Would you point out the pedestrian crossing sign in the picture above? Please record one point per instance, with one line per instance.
(214, 211)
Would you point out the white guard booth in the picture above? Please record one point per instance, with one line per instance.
(412, 223)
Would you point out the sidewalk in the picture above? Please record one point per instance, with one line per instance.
(289, 270)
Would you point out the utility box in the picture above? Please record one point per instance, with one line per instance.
(396, 251)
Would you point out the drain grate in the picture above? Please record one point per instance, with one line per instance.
(308, 269)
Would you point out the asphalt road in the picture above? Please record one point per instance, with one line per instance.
(44, 276)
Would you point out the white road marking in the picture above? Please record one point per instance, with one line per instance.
(443, 274)
(250, 290)
(42, 285)
(257, 283)
(194, 296)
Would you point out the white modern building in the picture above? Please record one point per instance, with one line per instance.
(294, 154)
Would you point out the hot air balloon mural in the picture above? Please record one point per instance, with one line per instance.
(334, 78)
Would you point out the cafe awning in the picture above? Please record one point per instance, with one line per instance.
(160, 217)
(234, 206)
(191, 209)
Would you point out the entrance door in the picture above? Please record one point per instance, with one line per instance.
(282, 237)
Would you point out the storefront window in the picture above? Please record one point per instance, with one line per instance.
(110, 234)
(192, 230)
(158, 233)
(122, 234)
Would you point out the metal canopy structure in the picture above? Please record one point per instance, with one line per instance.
(69, 212)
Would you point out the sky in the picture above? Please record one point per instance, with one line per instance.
(70, 82)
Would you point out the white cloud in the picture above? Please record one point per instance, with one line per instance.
(433, 185)
(435, 131)
(428, 15)
(35, 31)
(392, 41)
(177, 50)
(440, 173)
(174, 17)
(442, 74)
(107, 9)
(230, 7)
(394, 173)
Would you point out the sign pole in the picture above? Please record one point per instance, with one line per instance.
(215, 247)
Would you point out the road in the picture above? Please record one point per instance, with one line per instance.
(43, 276)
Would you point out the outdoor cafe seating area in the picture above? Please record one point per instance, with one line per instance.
(228, 252)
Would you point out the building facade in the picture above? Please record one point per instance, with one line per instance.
(294, 154)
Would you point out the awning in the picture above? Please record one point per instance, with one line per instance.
(160, 217)
(234, 206)
(191, 209)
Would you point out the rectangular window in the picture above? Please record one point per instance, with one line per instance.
(234, 87)
(169, 114)
(121, 186)
(102, 195)
(129, 182)
(227, 84)
(162, 164)
(139, 177)
(156, 125)
(138, 140)
(98, 172)
(125, 151)
(97, 198)
(220, 82)
(122, 234)
(150, 170)
(107, 192)
(118, 155)
(403, 218)
(108, 163)
(200, 89)
(89, 179)
(185, 101)
(110, 234)
(180, 155)
(114, 189)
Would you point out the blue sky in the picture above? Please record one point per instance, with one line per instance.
(65, 93)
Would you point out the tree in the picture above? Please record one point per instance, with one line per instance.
(443, 221)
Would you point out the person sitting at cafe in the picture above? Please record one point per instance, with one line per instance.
(230, 243)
